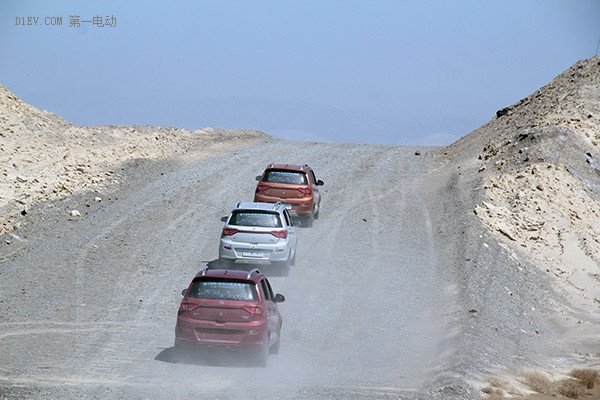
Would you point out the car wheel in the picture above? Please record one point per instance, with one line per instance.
(316, 214)
(285, 268)
(308, 221)
(263, 354)
(177, 354)
(275, 348)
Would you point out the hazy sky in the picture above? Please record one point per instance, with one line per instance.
(374, 71)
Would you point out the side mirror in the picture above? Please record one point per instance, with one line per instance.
(183, 292)
(258, 177)
(279, 298)
(320, 183)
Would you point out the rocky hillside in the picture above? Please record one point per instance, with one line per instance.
(569, 101)
(538, 162)
(43, 157)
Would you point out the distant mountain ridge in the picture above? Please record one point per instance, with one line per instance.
(94, 106)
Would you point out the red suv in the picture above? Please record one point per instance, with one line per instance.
(230, 309)
(295, 185)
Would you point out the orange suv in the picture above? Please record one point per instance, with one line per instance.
(295, 185)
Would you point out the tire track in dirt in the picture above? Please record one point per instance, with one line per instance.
(167, 216)
(352, 300)
(356, 251)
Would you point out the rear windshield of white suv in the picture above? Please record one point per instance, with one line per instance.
(284, 176)
(261, 219)
(223, 290)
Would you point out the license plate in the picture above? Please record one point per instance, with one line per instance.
(252, 253)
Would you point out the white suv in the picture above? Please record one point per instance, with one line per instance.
(259, 234)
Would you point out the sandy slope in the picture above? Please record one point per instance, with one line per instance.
(535, 169)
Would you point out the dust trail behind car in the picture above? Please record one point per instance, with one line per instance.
(364, 309)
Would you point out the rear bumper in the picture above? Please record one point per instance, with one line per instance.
(246, 253)
(233, 336)
(300, 206)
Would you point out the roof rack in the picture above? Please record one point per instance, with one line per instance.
(252, 271)
(204, 270)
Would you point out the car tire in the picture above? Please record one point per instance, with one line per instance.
(308, 221)
(285, 268)
(177, 354)
(275, 348)
(263, 355)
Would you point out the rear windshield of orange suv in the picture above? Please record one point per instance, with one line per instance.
(284, 176)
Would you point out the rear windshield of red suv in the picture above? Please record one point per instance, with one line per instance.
(285, 176)
(223, 289)
(257, 218)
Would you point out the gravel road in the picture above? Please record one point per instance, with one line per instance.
(89, 305)
(400, 290)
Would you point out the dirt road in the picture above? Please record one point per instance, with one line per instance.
(423, 276)
(89, 309)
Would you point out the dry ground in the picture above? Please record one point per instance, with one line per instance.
(525, 282)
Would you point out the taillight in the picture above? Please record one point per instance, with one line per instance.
(229, 231)
(280, 234)
(254, 310)
(261, 188)
(185, 306)
(305, 190)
